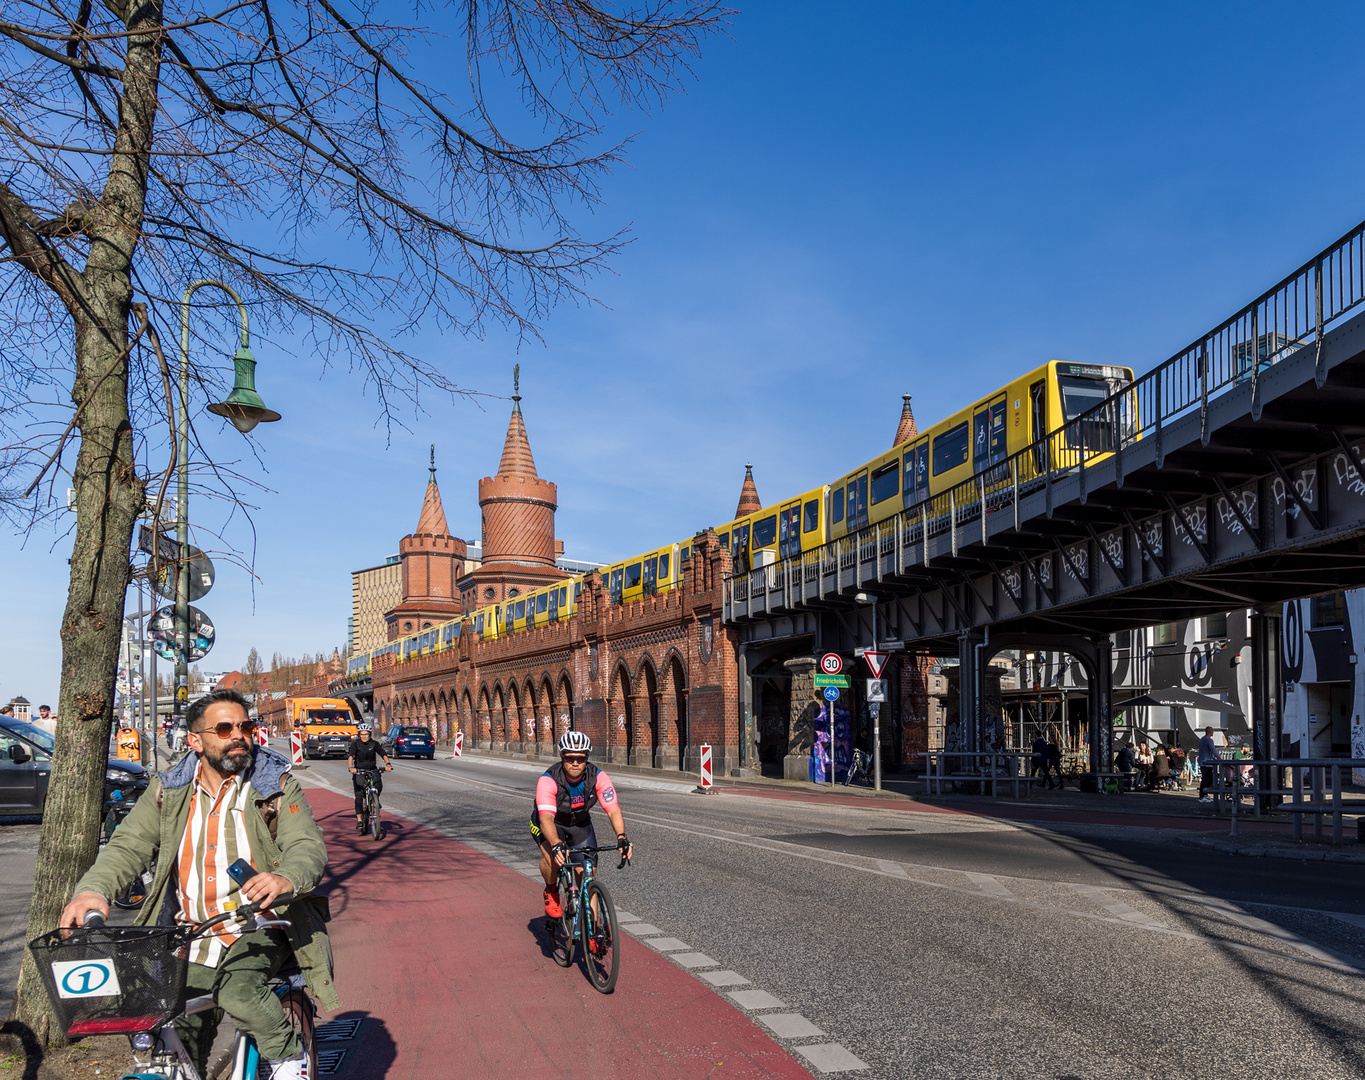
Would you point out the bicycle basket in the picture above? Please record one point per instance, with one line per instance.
(109, 979)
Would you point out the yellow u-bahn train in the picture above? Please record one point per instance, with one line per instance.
(978, 438)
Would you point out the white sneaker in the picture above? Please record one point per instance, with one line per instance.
(295, 1068)
(1207, 798)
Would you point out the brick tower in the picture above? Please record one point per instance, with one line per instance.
(907, 429)
(433, 563)
(519, 545)
(748, 494)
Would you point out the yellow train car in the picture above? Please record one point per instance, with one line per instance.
(780, 531)
(652, 573)
(486, 623)
(982, 436)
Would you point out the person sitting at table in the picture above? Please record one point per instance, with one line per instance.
(1161, 769)
(1124, 762)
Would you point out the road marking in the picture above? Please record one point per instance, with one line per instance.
(789, 1025)
(831, 1057)
(755, 999)
(991, 886)
(526, 767)
(1100, 896)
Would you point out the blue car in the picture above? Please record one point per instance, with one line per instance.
(405, 740)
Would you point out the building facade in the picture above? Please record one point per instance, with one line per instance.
(375, 591)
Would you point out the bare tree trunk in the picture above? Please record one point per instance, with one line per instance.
(109, 495)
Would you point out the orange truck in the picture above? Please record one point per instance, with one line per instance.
(328, 724)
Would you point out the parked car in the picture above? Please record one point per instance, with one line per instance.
(26, 765)
(403, 739)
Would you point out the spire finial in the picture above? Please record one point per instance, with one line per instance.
(432, 466)
(516, 382)
(749, 468)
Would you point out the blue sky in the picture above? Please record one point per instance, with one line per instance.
(850, 202)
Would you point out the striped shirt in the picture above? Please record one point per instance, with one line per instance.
(215, 838)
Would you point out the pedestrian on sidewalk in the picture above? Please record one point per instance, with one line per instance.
(227, 799)
(1054, 760)
(1039, 760)
(1208, 761)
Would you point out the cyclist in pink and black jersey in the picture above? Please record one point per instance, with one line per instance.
(561, 819)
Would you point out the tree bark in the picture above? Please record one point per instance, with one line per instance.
(109, 495)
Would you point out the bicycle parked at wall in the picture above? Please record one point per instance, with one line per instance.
(106, 980)
(860, 769)
(588, 917)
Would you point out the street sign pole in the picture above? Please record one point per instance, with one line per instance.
(876, 712)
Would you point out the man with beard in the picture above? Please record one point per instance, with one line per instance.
(226, 800)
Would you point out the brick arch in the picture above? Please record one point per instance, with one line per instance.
(646, 713)
(674, 754)
(468, 720)
(485, 717)
(564, 703)
(620, 714)
(545, 715)
(442, 723)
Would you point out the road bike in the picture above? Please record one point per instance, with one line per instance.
(108, 980)
(369, 807)
(588, 917)
(861, 768)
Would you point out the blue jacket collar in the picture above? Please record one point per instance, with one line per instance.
(266, 776)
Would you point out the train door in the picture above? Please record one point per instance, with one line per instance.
(668, 566)
(789, 531)
(651, 575)
(916, 486)
(1037, 395)
(739, 547)
(617, 581)
(855, 502)
(988, 435)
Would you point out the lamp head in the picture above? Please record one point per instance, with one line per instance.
(244, 407)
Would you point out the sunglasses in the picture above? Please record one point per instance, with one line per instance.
(575, 759)
(246, 727)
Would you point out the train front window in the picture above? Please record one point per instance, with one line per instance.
(886, 482)
(1079, 396)
(950, 449)
(812, 518)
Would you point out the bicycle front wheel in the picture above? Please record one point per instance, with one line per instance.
(376, 829)
(561, 929)
(601, 944)
(298, 1010)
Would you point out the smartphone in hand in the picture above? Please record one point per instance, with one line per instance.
(241, 872)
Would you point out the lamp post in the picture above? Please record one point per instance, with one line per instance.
(244, 409)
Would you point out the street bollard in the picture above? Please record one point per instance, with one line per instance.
(296, 747)
(704, 788)
(457, 748)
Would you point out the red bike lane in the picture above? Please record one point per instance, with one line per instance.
(441, 953)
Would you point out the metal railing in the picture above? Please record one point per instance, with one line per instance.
(1294, 314)
(1321, 777)
(985, 768)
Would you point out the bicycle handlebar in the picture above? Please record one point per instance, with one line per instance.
(611, 847)
(94, 919)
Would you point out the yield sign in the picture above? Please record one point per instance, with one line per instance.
(876, 661)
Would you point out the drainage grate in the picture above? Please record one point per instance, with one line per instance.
(329, 1061)
(337, 1030)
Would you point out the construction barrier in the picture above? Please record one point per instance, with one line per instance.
(296, 747)
(262, 735)
(459, 744)
(705, 766)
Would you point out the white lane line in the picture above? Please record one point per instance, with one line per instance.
(1117, 908)
(831, 1057)
(755, 999)
(869, 865)
(789, 1025)
(991, 886)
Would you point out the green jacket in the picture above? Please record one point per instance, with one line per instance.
(284, 838)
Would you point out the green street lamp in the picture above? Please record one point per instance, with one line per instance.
(244, 409)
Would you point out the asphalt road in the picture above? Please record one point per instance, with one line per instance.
(941, 945)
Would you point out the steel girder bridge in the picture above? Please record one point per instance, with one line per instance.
(1230, 476)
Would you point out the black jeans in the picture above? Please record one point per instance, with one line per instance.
(1205, 778)
(358, 780)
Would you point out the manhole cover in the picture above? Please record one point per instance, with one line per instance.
(336, 1030)
(329, 1061)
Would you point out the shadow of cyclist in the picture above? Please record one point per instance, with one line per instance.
(368, 1055)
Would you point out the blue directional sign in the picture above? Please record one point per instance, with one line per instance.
(831, 693)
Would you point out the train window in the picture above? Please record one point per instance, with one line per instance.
(685, 554)
(616, 585)
(836, 513)
(988, 436)
(917, 474)
(521, 609)
(812, 512)
(541, 601)
(663, 567)
(886, 482)
(1080, 395)
(789, 531)
(950, 449)
(724, 539)
(564, 594)
(650, 577)
(632, 575)
(765, 531)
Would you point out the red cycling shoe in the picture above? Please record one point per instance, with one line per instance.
(552, 907)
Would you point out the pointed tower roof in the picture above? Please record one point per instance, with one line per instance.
(516, 449)
(748, 494)
(907, 429)
(433, 519)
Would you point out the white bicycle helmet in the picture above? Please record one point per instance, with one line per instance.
(575, 742)
(365, 727)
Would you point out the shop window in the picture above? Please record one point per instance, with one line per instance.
(1329, 610)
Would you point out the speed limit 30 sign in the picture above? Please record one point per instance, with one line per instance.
(831, 663)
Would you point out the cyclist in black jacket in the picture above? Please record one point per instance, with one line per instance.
(362, 757)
